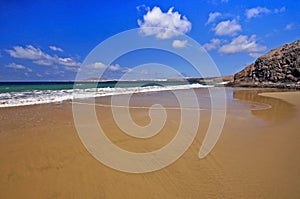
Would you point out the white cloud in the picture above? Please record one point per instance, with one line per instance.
(54, 48)
(212, 17)
(227, 27)
(66, 61)
(164, 25)
(15, 66)
(102, 66)
(242, 44)
(280, 10)
(255, 12)
(29, 52)
(179, 43)
(214, 43)
(44, 62)
(39, 57)
(116, 67)
(18, 66)
(97, 65)
(289, 26)
(259, 11)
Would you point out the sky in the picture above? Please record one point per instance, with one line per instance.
(49, 40)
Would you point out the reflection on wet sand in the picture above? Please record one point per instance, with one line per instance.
(280, 110)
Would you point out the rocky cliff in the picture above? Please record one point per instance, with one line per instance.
(278, 68)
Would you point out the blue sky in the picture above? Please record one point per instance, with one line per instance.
(48, 40)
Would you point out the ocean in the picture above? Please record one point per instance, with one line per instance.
(29, 93)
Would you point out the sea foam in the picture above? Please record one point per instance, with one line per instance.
(24, 98)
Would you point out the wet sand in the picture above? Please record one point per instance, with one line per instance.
(41, 155)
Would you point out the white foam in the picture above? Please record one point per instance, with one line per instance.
(53, 96)
(222, 83)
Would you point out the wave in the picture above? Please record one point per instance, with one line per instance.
(13, 99)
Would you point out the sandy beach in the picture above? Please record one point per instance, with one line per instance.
(41, 154)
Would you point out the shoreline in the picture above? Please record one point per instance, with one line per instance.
(46, 95)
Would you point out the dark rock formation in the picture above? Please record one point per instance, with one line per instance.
(278, 68)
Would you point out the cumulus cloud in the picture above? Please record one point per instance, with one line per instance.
(214, 43)
(179, 43)
(54, 48)
(18, 66)
(227, 27)
(39, 57)
(164, 25)
(242, 44)
(212, 17)
(255, 12)
(29, 52)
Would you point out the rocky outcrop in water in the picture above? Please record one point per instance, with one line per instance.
(278, 68)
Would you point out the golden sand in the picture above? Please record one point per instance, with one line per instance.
(41, 155)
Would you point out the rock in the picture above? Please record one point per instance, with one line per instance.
(290, 77)
(278, 68)
(296, 72)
